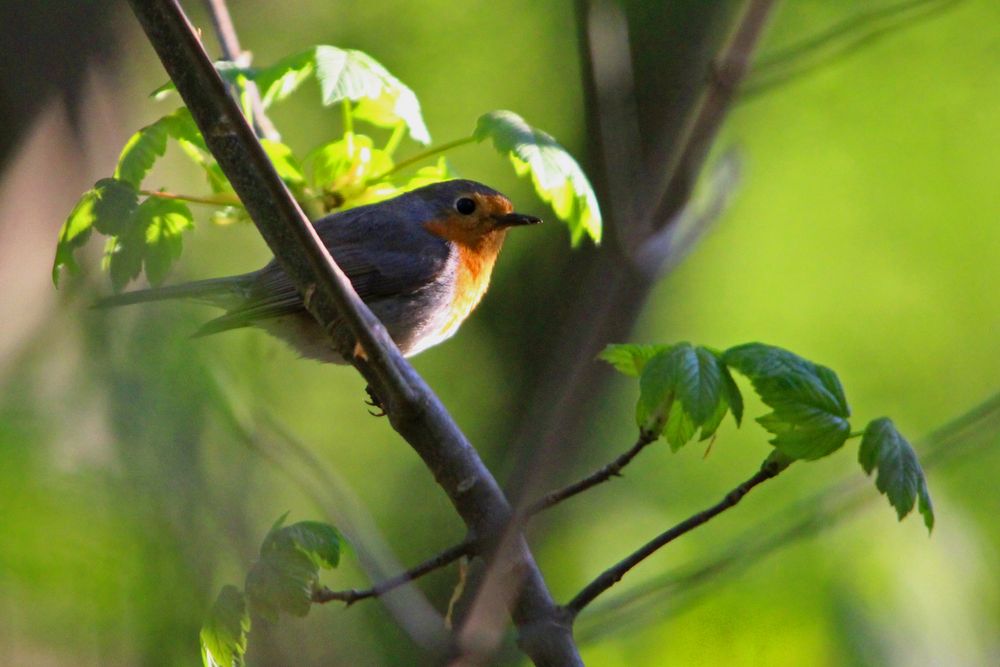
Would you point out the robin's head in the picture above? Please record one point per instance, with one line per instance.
(470, 213)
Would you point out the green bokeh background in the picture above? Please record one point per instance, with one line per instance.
(864, 236)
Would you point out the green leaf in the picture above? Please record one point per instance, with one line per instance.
(164, 220)
(281, 581)
(284, 77)
(114, 205)
(74, 234)
(731, 393)
(628, 358)
(123, 258)
(557, 177)
(345, 166)
(284, 162)
(810, 411)
(141, 150)
(284, 576)
(108, 207)
(347, 74)
(224, 633)
(434, 173)
(900, 476)
(227, 69)
(680, 428)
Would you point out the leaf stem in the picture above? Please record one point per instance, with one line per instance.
(395, 138)
(855, 434)
(220, 200)
(419, 157)
(348, 122)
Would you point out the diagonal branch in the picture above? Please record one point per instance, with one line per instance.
(443, 559)
(414, 411)
(613, 574)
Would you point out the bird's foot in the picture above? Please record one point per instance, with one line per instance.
(375, 402)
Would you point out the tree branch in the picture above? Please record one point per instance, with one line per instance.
(414, 411)
(443, 559)
(225, 31)
(599, 476)
(613, 574)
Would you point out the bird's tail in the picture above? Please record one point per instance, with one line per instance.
(222, 292)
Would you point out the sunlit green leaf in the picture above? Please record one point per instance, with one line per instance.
(164, 220)
(224, 633)
(142, 149)
(284, 77)
(347, 74)
(284, 162)
(435, 173)
(108, 207)
(345, 166)
(810, 411)
(900, 476)
(557, 177)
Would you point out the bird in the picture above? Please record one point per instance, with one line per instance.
(421, 261)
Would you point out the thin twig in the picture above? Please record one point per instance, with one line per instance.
(231, 51)
(613, 574)
(443, 559)
(979, 428)
(599, 476)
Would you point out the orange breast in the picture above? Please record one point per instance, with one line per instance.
(472, 277)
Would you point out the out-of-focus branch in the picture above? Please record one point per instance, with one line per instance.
(599, 476)
(443, 559)
(413, 409)
(613, 574)
(225, 31)
(726, 74)
(842, 39)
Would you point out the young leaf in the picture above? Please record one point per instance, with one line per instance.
(900, 476)
(124, 258)
(557, 177)
(344, 167)
(141, 150)
(224, 633)
(115, 202)
(284, 162)
(283, 78)
(164, 221)
(810, 411)
(108, 207)
(284, 576)
(74, 233)
(629, 359)
(346, 74)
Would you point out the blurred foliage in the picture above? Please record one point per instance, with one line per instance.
(133, 475)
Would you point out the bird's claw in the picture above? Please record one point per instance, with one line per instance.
(375, 402)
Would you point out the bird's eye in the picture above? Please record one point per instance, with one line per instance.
(465, 206)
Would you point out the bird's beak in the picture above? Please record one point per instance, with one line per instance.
(515, 220)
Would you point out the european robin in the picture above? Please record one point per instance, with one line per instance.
(421, 261)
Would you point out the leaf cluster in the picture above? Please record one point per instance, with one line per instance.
(282, 580)
(144, 227)
(684, 390)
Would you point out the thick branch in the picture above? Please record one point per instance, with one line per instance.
(443, 559)
(599, 476)
(414, 411)
(613, 574)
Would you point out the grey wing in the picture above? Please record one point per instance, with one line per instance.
(381, 258)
